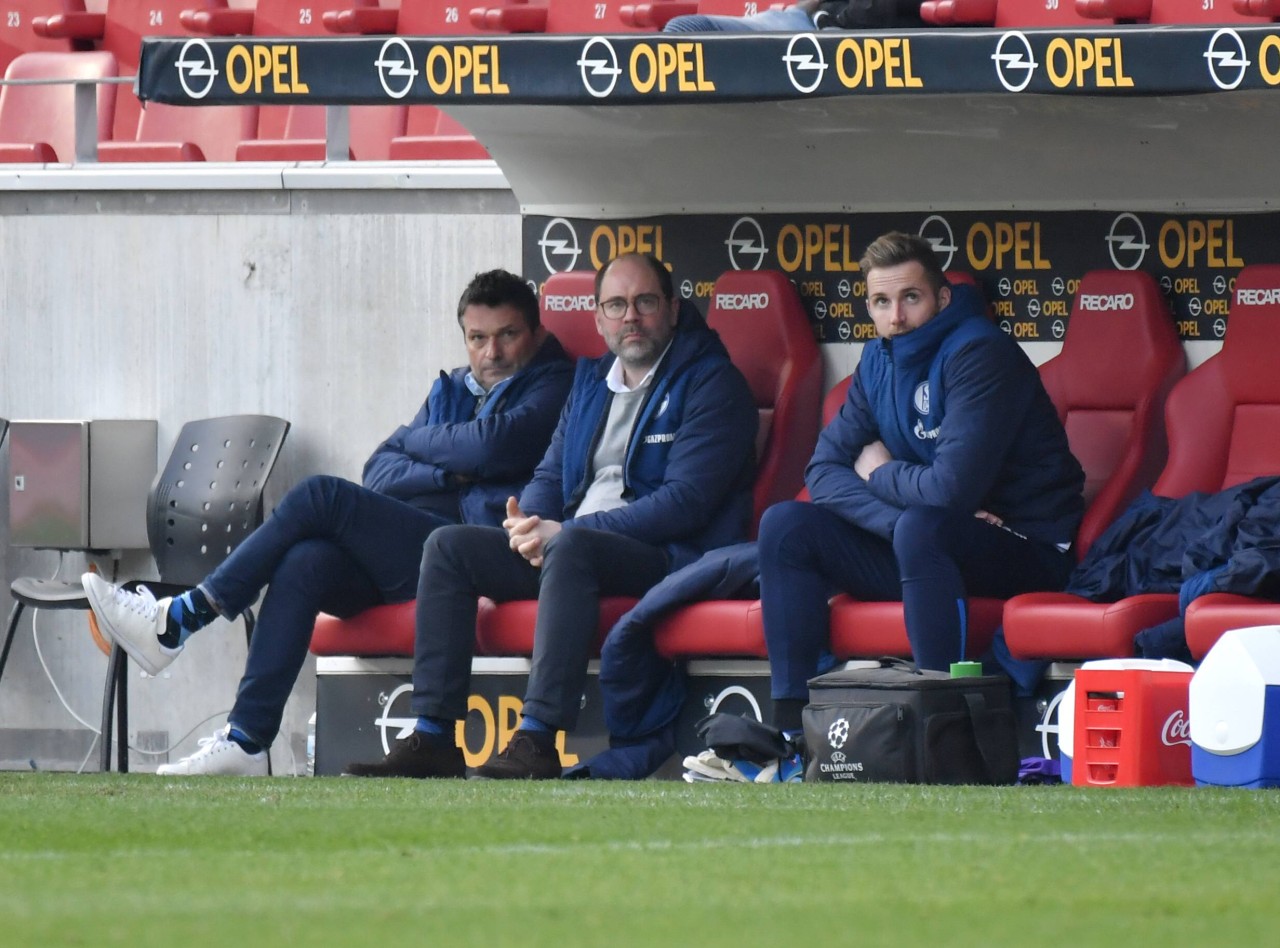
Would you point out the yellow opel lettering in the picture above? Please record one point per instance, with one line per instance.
(1059, 51)
(438, 56)
(703, 290)
(1026, 330)
(641, 238)
(1054, 308)
(1214, 238)
(1269, 60)
(474, 758)
(1073, 286)
(239, 69)
(1216, 307)
(645, 85)
(840, 308)
(1189, 328)
(1002, 308)
(831, 244)
(858, 62)
(850, 80)
(1186, 285)
(509, 710)
(1025, 288)
(1070, 62)
(660, 64)
(864, 331)
(1021, 239)
(603, 235)
(484, 63)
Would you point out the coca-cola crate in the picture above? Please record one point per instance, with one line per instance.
(1131, 728)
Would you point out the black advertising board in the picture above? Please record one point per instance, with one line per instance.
(660, 68)
(1027, 263)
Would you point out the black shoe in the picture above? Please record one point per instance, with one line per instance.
(526, 758)
(416, 756)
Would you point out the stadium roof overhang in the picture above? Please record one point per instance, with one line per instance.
(1133, 118)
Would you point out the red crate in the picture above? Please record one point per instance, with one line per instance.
(1131, 728)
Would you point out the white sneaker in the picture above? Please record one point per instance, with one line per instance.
(133, 620)
(218, 756)
(708, 766)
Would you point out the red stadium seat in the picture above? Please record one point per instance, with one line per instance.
(1168, 12)
(297, 132)
(553, 16)
(1265, 9)
(409, 18)
(176, 133)
(658, 13)
(1004, 14)
(372, 128)
(763, 324)
(17, 35)
(1221, 420)
(432, 135)
(119, 29)
(37, 123)
(1116, 460)
(428, 134)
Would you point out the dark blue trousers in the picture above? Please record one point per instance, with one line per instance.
(460, 564)
(329, 546)
(937, 558)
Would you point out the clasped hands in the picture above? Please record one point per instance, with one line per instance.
(875, 453)
(527, 535)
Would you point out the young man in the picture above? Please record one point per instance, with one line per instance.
(651, 466)
(946, 474)
(339, 547)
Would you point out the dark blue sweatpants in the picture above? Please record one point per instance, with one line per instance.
(936, 559)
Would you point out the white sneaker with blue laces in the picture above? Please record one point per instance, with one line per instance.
(133, 620)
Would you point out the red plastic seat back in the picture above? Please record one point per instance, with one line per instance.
(1223, 416)
(16, 35)
(1199, 12)
(1120, 357)
(568, 308)
(35, 115)
(435, 18)
(763, 324)
(1024, 14)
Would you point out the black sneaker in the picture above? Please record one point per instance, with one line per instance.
(416, 756)
(526, 758)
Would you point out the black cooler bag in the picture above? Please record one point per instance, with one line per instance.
(896, 723)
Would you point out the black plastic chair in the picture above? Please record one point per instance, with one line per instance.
(203, 503)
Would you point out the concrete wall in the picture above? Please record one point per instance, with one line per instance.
(331, 308)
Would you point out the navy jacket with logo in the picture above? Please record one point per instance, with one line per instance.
(690, 458)
(968, 423)
(463, 465)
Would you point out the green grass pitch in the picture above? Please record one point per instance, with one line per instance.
(139, 860)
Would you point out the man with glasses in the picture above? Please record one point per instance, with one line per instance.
(650, 467)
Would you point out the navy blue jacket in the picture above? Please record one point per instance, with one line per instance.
(690, 459)
(969, 425)
(462, 465)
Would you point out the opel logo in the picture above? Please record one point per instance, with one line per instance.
(559, 246)
(396, 71)
(805, 63)
(746, 244)
(195, 61)
(599, 65)
(1127, 242)
(1015, 63)
(937, 231)
(1226, 59)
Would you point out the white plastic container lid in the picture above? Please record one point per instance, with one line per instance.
(1228, 692)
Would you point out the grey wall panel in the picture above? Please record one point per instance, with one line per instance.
(334, 310)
